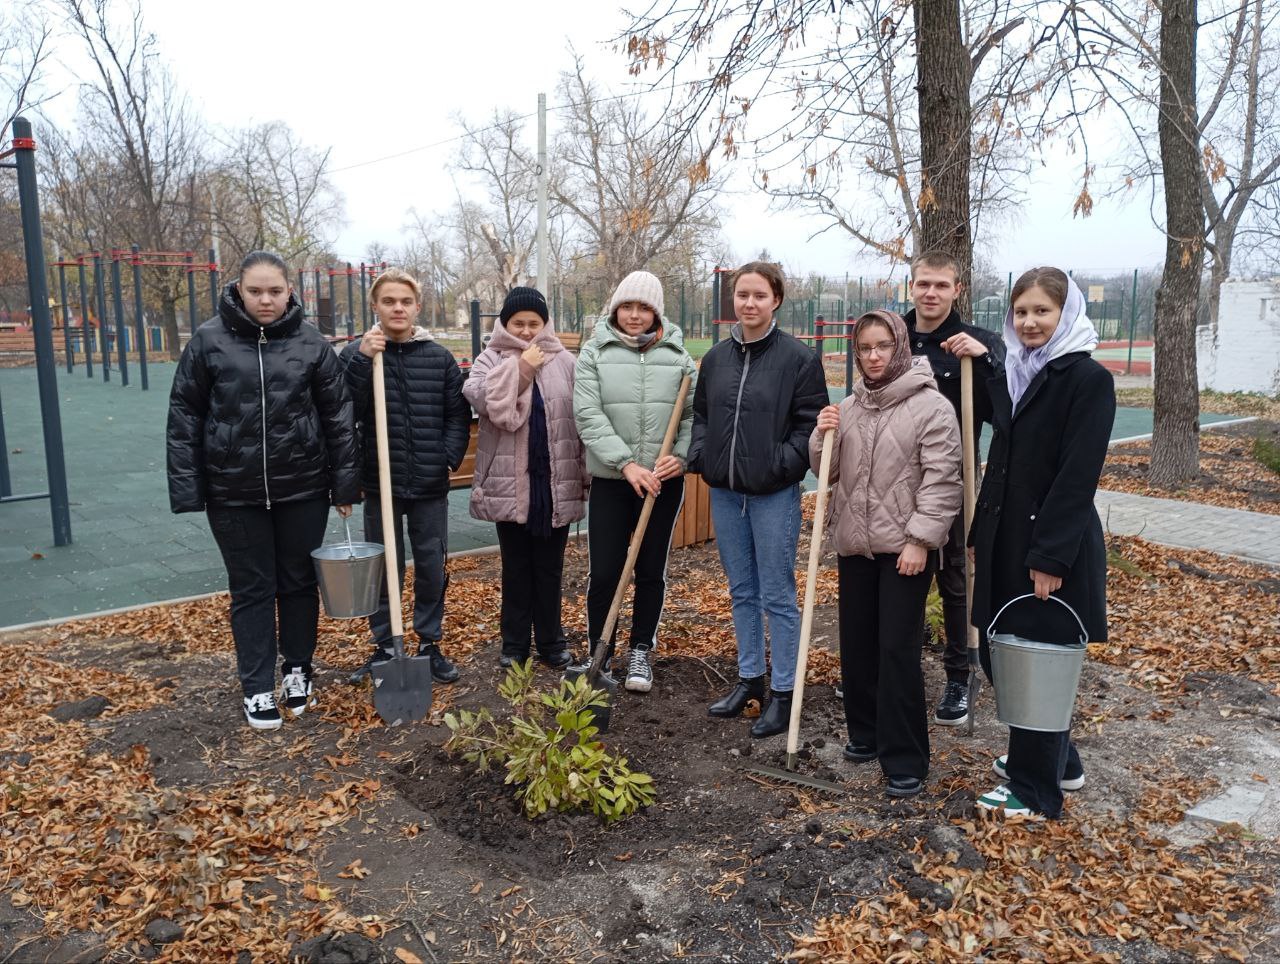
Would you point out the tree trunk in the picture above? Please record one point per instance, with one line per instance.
(1175, 449)
(946, 127)
(169, 318)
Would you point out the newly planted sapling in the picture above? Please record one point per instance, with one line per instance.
(549, 750)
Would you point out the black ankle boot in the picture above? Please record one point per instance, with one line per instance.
(775, 718)
(736, 701)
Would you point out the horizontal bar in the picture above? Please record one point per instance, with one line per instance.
(24, 498)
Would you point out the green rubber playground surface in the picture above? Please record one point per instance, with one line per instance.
(127, 548)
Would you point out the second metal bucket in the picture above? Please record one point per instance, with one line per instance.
(1035, 682)
(350, 575)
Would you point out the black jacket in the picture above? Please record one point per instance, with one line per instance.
(946, 366)
(240, 383)
(754, 408)
(428, 420)
(1035, 510)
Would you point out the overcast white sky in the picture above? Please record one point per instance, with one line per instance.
(385, 78)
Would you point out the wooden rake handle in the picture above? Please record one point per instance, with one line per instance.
(810, 592)
(969, 472)
(389, 534)
(605, 647)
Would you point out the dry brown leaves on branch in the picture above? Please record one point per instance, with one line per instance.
(1069, 890)
(1230, 475)
(1168, 617)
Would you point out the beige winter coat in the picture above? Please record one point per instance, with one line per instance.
(895, 467)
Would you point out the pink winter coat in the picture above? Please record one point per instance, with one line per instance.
(895, 466)
(500, 389)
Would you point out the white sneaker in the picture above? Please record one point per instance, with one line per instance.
(298, 697)
(261, 712)
(639, 673)
(1000, 763)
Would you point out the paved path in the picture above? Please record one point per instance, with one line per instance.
(1190, 525)
(128, 549)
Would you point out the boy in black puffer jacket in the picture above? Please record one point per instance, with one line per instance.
(428, 427)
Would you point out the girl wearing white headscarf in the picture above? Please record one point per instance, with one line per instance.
(1035, 530)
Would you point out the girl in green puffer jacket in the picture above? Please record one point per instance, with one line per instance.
(625, 386)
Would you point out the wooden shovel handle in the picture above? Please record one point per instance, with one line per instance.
(810, 592)
(389, 534)
(633, 550)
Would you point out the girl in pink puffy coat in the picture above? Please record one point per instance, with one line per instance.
(530, 473)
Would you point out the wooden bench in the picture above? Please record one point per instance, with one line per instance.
(572, 340)
(16, 342)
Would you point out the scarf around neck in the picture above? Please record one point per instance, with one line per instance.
(1075, 332)
(641, 341)
(900, 360)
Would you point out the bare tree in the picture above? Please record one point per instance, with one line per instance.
(270, 191)
(24, 47)
(137, 128)
(628, 184)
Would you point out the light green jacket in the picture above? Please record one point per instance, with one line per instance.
(622, 399)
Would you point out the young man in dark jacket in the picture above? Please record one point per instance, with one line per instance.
(936, 332)
(428, 427)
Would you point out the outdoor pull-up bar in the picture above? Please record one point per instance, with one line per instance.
(24, 161)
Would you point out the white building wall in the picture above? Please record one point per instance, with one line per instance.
(1245, 356)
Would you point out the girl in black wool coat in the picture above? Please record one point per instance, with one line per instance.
(261, 436)
(1035, 529)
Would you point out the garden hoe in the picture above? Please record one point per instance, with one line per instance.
(969, 464)
(602, 648)
(806, 629)
(401, 684)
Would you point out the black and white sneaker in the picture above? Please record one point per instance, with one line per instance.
(261, 712)
(296, 686)
(639, 672)
(953, 708)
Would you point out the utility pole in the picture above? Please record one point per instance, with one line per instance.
(542, 194)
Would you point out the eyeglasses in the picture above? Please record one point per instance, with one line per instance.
(884, 348)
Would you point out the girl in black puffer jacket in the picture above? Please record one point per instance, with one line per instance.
(261, 437)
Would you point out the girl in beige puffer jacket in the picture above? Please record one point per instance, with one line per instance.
(896, 490)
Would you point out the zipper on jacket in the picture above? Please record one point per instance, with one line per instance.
(262, 380)
(737, 411)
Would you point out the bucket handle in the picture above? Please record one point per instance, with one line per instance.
(1084, 633)
(351, 550)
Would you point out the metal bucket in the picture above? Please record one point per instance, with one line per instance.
(1035, 682)
(350, 575)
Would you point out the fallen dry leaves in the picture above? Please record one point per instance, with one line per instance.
(1069, 890)
(1230, 476)
(1173, 612)
(91, 843)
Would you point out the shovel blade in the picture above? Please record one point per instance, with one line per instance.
(601, 681)
(402, 689)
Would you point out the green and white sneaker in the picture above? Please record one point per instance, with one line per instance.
(1001, 802)
(1001, 763)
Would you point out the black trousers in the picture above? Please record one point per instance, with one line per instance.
(532, 573)
(881, 630)
(613, 511)
(1037, 761)
(955, 610)
(267, 553)
(428, 523)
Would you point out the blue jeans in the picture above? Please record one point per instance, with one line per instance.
(757, 536)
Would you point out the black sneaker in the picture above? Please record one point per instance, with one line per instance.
(953, 708)
(261, 711)
(557, 658)
(508, 658)
(379, 655)
(639, 672)
(442, 671)
(297, 690)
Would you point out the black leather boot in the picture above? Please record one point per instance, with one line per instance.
(736, 701)
(775, 718)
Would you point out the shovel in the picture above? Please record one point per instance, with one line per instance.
(806, 629)
(969, 469)
(401, 684)
(595, 671)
